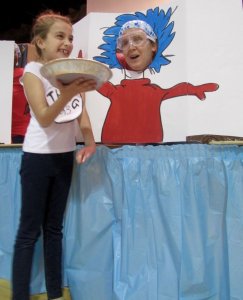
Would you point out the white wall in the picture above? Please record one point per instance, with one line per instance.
(6, 88)
(214, 53)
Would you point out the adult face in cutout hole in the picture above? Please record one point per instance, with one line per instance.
(135, 50)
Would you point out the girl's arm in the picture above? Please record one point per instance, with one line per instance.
(88, 136)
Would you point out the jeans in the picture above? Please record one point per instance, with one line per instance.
(45, 182)
(18, 139)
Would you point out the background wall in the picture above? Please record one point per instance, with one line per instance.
(214, 53)
(6, 87)
(121, 6)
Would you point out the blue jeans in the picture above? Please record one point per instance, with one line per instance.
(45, 181)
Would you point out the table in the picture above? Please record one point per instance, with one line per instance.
(143, 223)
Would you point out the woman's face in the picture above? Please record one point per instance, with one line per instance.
(137, 48)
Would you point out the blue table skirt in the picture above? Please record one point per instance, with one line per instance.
(143, 223)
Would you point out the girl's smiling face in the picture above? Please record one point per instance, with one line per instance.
(58, 42)
(138, 49)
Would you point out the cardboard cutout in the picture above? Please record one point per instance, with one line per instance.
(134, 114)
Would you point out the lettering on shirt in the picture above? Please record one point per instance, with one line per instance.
(72, 105)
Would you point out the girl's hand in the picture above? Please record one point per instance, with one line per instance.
(78, 86)
(85, 153)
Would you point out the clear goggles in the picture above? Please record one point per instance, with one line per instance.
(137, 39)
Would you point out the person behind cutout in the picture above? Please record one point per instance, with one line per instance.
(20, 108)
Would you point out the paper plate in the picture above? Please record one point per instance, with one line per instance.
(69, 69)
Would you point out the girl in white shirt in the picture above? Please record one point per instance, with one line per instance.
(48, 156)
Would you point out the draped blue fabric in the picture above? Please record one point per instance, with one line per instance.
(143, 223)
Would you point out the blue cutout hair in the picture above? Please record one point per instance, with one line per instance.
(157, 19)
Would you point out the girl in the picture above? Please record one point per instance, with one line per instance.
(47, 161)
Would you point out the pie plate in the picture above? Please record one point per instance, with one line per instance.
(68, 69)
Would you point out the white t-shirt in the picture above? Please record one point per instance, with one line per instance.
(56, 138)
